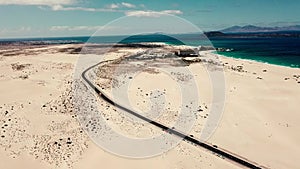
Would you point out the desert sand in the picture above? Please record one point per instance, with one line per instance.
(40, 129)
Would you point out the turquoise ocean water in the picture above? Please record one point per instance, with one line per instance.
(284, 51)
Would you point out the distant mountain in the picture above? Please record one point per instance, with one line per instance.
(255, 29)
(218, 34)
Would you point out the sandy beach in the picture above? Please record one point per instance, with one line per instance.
(40, 127)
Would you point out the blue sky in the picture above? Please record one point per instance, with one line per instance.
(45, 18)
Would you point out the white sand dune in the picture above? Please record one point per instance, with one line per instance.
(40, 129)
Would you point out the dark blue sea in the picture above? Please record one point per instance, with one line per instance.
(279, 51)
(284, 51)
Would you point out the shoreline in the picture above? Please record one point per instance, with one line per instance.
(69, 41)
(255, 61)
(222, 55)
(252, 60)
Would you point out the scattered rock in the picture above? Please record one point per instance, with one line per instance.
(19, 67)
(24, 77)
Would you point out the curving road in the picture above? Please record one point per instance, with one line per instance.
(239, 160)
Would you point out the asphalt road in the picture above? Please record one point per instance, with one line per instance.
(225, 154)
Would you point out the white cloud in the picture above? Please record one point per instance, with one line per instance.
(128, 5)
(57, 7)
(172, 12)
(37, 2)
(152, 13)
(64, 5)
(25, 29)
(78, 28)
(109, 8)
(62, 8)
(121, 5)
(113, 6)
(16, 31)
